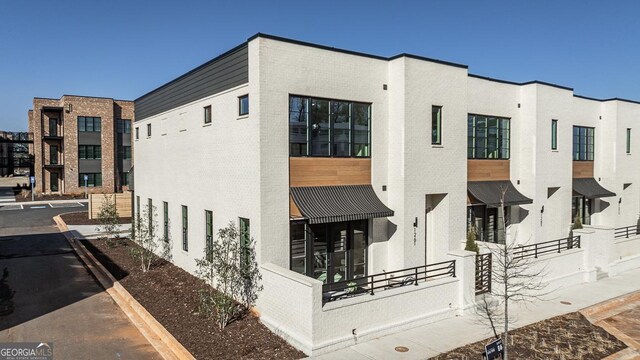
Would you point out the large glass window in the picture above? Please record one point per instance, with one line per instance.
(581, 208)
(329, 252)
(124, 152)
(485, 221)
(89, 124)
(124, 126)
(89, 152)
(436, 125)
(124, 179)
(92, 179)
(487, 137)
(322, 127)
(583, 143)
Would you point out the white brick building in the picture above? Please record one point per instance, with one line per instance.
(283, 137)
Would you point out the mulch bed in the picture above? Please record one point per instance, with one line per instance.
(82, 218)
(569, 336)
(170, 294)
(42, 197)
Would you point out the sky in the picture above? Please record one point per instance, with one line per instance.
(124, 49)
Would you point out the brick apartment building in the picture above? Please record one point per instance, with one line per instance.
(78, 137)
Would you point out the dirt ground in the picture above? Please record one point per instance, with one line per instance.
(170, 294)
(82, 218)
(569, 336)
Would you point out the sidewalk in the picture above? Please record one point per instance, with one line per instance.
(430, 340)
(90, 231)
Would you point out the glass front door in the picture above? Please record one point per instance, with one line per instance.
(333, 252)
(581, 207)
(54, 182)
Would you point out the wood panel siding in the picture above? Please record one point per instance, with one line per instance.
(122, 201)
(224, 72)
(487, 170)
(582, 169)
(329, 171)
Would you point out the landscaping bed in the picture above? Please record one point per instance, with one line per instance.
(170, 294)
(23, 196)
(82, 218)
(569, 336)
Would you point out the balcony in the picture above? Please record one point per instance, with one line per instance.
(52, 136)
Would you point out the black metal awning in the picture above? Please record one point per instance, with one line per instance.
(589, 188)
(490, 192)
(325, 204)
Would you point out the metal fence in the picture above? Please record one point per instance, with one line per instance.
(547, 247)
(372, 283)
(625, 232)
(483, 273)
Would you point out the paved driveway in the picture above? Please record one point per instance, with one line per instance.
(56, 299)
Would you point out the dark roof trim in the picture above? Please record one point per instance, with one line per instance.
(521, 84)
(356, 53)
(193, 70)
(82, 96)
(605, 100)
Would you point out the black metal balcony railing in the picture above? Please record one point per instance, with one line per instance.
(547, 247)
(372, 283)
(625, 232)
(483, 273)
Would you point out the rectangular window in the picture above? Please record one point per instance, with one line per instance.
(124, 179)
(207, 114)
(89, 124)
(124, 152)
(93, 179)
(53, 127)
(321, 127)
(583, 143)
(487, 137)
(628, 141)
(53, 154)
(150, 215)
(554, 134)
(436, 125)
(148, 130)
(298, 250)
(208, 215)
(124, 126)
(185, 229)
(89, 152)
(137, 133)
(243, 105)
(165, 220)
(245, 239)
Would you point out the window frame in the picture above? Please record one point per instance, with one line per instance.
(244, 247)
(438, 140)
(53, 154)
(185, 228)
(84, 121)
(95, 151)
(554, 134)
(208, 115)
(352, 130)
(583, 143)
(91, 180)
(137, 132)
(628, 141)
(149, 130)
(165, 220)
(240, 110)
(499, 139)
(208, 235)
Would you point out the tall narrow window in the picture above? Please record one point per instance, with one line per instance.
(245, 239)
(150, 216)
(298, 248)
(53, 155)
(243, 105)
(165, 210)
(207, 114)
(436, 125)
(628, 141)
(137, 133)
(185, 229)
(554, 134)
(53, 127)
(138, 207)
(208, 217)
(148, 130)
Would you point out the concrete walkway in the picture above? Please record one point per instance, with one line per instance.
(91, 231)
(430, 340)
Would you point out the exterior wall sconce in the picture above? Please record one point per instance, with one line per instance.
(69, 108)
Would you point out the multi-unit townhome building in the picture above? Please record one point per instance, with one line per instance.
(358, 177)
(81, 143)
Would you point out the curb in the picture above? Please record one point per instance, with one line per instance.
(161, 339)
(42, 202)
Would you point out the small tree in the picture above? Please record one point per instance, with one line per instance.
(143, 232)
(517, 280)
(108, 218)
(472, 235)
(577, 223)
(231, 268)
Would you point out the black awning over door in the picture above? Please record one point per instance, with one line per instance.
(490, 193)
(589, 188)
